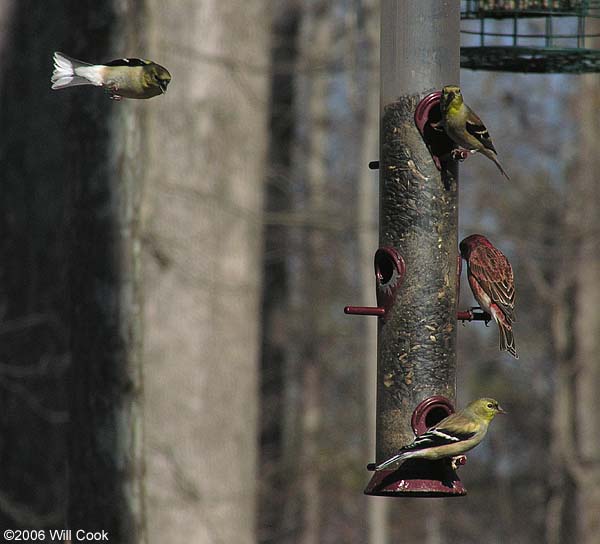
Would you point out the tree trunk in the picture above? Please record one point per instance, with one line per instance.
(34, 312)
(315, 47)
(575, 499)
(203, 242)
(105, 173)
(586, 322)
(275, 485)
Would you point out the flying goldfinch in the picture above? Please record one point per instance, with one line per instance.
(491, 279)
(464, 127)
(122, 78)
(453, 436)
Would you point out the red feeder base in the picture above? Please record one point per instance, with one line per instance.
(417, 478)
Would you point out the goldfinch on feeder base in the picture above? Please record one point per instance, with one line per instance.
(122, 78)
(451, 437)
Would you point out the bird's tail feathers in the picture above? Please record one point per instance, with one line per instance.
(507, 340)
(69, 72)
(497, 162)
(396, 459)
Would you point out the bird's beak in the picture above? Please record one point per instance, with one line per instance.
(163, 86)
(501, 410)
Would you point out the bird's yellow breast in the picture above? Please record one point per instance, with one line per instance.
(454, 107)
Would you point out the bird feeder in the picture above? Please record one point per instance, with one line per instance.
(415, 267)
(533, 36)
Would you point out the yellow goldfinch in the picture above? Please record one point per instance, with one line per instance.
(122, 78)
(453, 436)
(464, 127)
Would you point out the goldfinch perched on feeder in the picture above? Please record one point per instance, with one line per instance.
(491, 279)
(122, 78)
(464, 127)
(456, 434)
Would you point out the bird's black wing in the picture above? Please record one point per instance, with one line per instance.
(477, 129)
(434, 438)
(128, 62)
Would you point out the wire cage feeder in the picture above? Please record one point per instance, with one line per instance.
(543, 36)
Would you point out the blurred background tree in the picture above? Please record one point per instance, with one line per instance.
(203, 258)
(257, 224)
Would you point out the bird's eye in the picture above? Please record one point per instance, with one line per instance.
(490, 405)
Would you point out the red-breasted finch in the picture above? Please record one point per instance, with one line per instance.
(491, 279)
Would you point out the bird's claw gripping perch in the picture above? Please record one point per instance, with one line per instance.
(459, 154)
(458, 461)
(112, 93)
